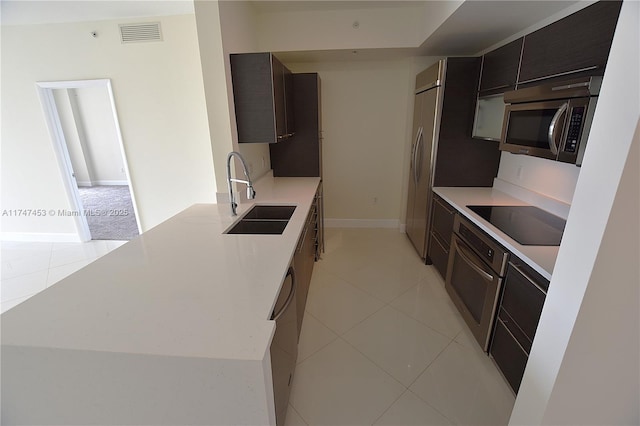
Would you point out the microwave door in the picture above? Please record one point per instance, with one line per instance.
(534, 128)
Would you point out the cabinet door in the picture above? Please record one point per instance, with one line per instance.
(509, 356)
(279, 98)
(290, 128)
(301, 155)
(500, 68)
(253, 97)
(576, 45)
(523, 298)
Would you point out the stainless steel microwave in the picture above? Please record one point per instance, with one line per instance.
(550, 120)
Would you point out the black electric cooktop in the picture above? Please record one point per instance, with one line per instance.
(528, 225)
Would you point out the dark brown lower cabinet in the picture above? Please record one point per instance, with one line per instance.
(440, 239)
(303, 261)
(508, 354)
(523, 296)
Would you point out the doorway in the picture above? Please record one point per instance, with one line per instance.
(82, 120)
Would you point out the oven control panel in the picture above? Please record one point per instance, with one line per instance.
(480, 246)
(483, 245)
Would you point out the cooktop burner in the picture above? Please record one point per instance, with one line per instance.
(528, 225)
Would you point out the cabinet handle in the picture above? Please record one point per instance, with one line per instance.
(503, 86)
(451, 212)
(528, 278)
(559, 74)
(504, 324)
(291, 272)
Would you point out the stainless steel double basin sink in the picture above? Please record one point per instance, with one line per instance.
(263, 219)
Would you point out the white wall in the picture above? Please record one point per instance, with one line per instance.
(323, 28)
(365, 114)
(549, 178)
(95, 117)
(226, 27)
(215, 85)
(160, 104)
(238, 23)
(72, 136)
(583, 367)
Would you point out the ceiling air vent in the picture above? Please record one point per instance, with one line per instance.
(138, 33)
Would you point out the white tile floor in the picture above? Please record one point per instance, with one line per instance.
(382, 344)
(28, 268)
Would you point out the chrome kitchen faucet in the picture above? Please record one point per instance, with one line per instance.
(251, 193)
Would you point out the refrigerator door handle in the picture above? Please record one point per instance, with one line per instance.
(417, 171)
(414, 152)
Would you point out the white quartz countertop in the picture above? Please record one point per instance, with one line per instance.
(540, 258)
(182, 288)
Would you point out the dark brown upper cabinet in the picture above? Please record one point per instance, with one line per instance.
(500, 68)
(301, 155)
(263, 98)
(571, 47)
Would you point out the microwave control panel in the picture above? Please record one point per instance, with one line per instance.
(573, 132)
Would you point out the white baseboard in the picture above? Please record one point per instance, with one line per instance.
(42, 237)
(111, 182)
(403, 228)
(88, 183)
(361, 223)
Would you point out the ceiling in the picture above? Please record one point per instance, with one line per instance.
(475, 26)
(25, 12)
(479, 24)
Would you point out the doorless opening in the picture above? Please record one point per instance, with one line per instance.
(83, 123)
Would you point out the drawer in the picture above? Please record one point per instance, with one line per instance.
(443, 215)
(523, 297)
(508, 355)
(439, 255)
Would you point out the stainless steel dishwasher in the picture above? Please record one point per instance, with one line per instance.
(284, 346)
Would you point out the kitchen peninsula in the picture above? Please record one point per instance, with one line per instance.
(171, 328)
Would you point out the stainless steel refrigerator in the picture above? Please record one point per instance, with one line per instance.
(443, 153)
(428, 104)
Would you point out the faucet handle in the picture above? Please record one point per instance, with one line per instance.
(251, 193)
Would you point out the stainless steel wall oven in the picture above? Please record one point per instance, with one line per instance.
(476, 268)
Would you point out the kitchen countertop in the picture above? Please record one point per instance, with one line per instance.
(540, 258)
(180, 289)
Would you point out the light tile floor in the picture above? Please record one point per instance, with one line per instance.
(28, 268)
(382, 343)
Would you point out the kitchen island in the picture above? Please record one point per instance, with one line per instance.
(171, 328)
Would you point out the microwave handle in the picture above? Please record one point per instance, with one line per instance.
(553, 128)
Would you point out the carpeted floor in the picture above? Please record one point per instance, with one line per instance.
(109, 212)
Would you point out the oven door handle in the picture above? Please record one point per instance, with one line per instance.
(467, 257)
(553, 128)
